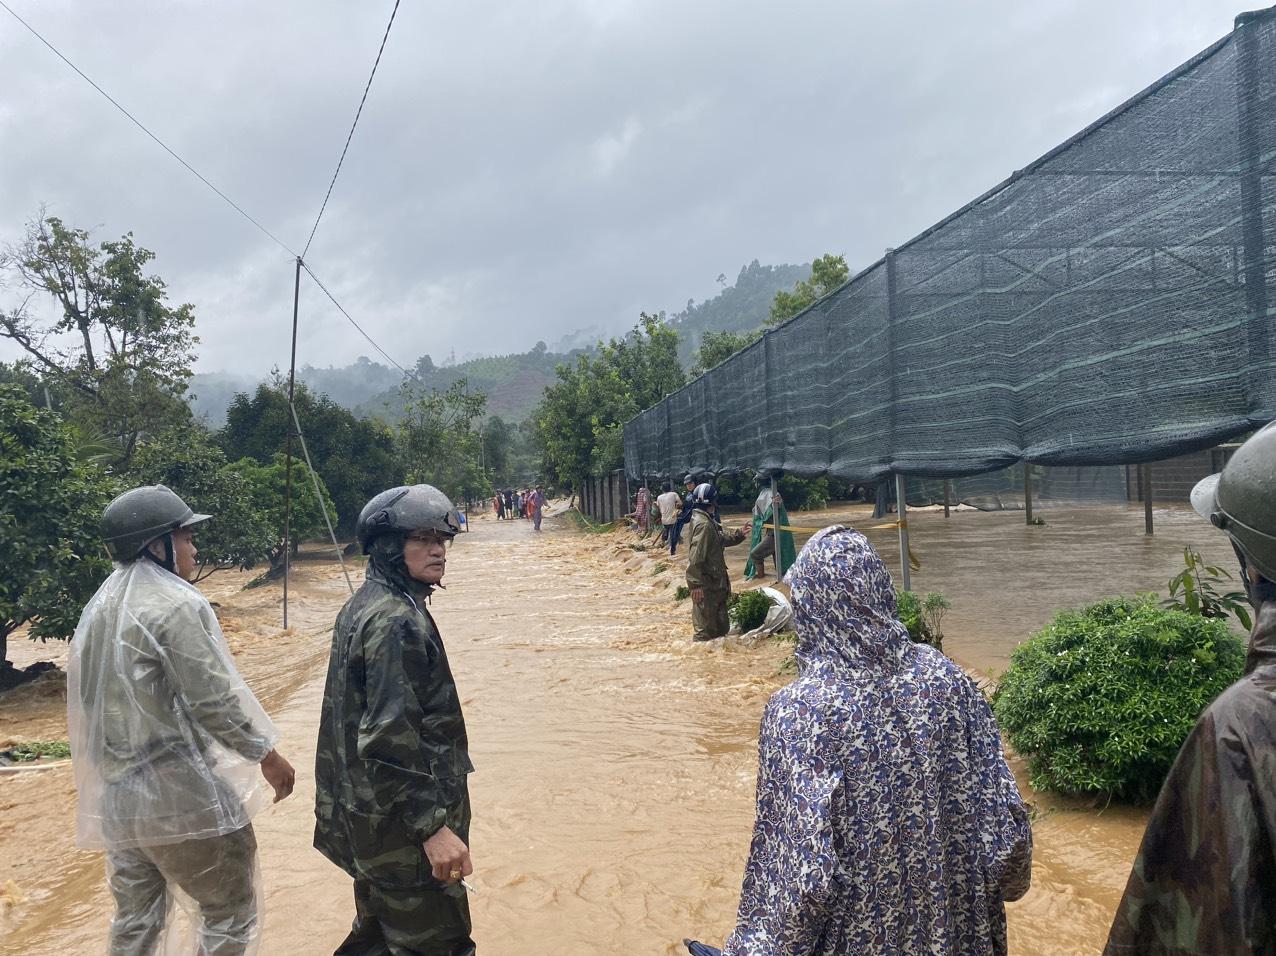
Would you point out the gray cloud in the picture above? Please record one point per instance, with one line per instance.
(524, 170)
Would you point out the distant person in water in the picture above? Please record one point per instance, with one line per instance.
(538, 504)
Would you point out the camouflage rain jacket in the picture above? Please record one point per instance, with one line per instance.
(1204, 882)
(392, 758)
(706, 564)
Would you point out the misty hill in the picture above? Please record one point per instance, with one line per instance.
(741, 307)
(513, 383)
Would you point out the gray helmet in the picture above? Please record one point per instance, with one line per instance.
(406, 508)
(704, 495)
(136, 518)
(1241, 500)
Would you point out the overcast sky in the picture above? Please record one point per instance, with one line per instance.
(523, 170)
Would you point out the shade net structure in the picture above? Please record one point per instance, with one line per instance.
(1111, 303)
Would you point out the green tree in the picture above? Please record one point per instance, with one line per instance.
(828, 272)
(498, 442)
(355, 457)
(121, 354)
(53, 557)
(265, 486)
(580, 421)
(439, 439)
(186, 460)
(717, 347)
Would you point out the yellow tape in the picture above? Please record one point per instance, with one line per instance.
(913, 561)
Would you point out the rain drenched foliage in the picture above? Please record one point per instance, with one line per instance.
(1101, 700)
(53, 558)
(116, 352)
(580, 422)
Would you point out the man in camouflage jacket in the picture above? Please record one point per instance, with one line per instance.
(1204, 882)
(392, 803)
(707, 566)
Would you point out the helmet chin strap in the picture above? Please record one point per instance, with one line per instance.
(169, 563)
(1258, 593)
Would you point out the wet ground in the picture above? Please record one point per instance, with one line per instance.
(613, 797)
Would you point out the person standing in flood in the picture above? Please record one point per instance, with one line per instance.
(538, 506)
(668, 502)
(684, 516)
(707, 566)
(392, 803)
(1204, 880)
(167, 740)
(888, 821)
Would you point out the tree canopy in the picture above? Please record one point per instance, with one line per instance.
(828, 272)
(119, 352)
(580, 421)
(53, 557)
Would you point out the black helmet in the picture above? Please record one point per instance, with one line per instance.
(1241, 500)
(703, 495)
(406, 508)
(136, 518)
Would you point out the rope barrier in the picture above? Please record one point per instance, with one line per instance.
(913, 561)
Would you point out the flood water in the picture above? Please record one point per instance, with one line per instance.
(613, 797)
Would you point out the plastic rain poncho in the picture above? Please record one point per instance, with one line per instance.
(887, 818)
(165, 735)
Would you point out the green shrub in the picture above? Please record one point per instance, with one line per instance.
(748, 609)
(35, 749)
(681, 592)
(1102, 698)
(923, 616)
(804, 494)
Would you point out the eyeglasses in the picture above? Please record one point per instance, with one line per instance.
(430, 537)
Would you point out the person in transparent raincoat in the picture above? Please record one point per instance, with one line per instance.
(168, 743)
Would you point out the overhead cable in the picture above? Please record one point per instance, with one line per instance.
(349, 318)
(138, 123)
(350, 136)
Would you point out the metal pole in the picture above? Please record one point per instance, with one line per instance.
(775, 520)
(292, 381)
(1145, 479)
(948, 494)
(1027, 492)
(901, 503)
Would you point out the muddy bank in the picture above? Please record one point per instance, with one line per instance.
(616, 760)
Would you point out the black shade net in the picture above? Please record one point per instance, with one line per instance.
(1110, 304)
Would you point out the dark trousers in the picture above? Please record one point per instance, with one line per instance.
(408, 922)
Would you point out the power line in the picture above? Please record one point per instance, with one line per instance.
(350, 136)
(350, 319)
(136, 122)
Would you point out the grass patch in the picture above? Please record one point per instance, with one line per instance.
(660, 568)
(36, 749)
(682, 593)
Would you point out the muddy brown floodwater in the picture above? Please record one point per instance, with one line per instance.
(616, 760)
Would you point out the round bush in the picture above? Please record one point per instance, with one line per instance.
(1102, 698)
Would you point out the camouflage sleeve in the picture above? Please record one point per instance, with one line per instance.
(390, 741)
(209, 687)
(697, 551)
(734, 537)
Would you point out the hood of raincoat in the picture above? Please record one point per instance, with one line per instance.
(844, 607)
(165, 735)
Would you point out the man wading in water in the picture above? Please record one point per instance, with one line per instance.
(707, 566)
(391, 802)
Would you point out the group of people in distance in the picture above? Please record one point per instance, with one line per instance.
(887, 819)
(528, 503)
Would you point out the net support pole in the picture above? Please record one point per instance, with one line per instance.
(1145, 480)
(902, 506)
(1027, 492)
(292, 381)
(775, 519)
(948, 495)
